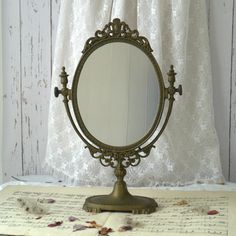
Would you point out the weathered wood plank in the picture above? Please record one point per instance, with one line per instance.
(220, 25)
(55, 10)
(36, 72)
(1, 98)
(233, 107)
(12, 145)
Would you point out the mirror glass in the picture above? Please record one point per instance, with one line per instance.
(118, 94)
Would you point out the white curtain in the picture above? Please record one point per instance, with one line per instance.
(188, 151)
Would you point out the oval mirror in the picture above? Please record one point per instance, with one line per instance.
(118, 94)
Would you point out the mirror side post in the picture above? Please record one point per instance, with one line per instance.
(65, 92)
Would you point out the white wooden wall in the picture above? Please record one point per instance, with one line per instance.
(1, 80)
(222, 32)
(29, 28)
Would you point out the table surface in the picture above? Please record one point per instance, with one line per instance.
(168, 217)
(45, 180)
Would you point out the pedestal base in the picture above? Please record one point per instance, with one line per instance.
(134, 204)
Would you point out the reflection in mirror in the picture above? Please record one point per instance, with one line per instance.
(118, 94)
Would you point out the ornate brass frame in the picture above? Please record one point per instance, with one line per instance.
(118, 157)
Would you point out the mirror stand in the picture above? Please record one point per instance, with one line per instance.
(118, 40)
(120, 199)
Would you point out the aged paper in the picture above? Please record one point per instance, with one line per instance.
(68, 202)
(177, 213)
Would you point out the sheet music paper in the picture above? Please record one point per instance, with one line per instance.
(170, 218)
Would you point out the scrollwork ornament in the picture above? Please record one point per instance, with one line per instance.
(117, 29)
(109, 158)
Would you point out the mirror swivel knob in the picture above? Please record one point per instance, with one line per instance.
(56, 92)
(179, 90)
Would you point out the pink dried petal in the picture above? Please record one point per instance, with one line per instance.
(93, 224)
(72, 218)
(105, 231)
(78, 227)
(56, 223)
(125, 228)
(212, 212)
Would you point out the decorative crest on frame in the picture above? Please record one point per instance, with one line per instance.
(117, 29)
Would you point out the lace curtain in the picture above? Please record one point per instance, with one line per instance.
(188, 151)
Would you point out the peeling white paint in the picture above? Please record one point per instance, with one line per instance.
(29, 28)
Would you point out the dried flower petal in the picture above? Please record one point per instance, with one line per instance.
(50, 200)
(78, 227)
(46, 200)
(125, 228)
(181, 203)
(93, 224)
(72, 218)
(105, 231)
(56, 223)
(212, 212)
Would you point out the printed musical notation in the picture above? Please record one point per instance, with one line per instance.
(171, 217)
(183, 219)
(65, 205)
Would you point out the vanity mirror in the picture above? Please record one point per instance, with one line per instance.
(118, 97)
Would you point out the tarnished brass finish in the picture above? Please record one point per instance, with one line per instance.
(117, 30)
(120, 199)
(123, 202)
(65, 92)
(119, 157)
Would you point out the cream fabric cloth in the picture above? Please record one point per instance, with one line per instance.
(188, 151)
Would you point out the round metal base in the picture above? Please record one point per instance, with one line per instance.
(134, 204)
